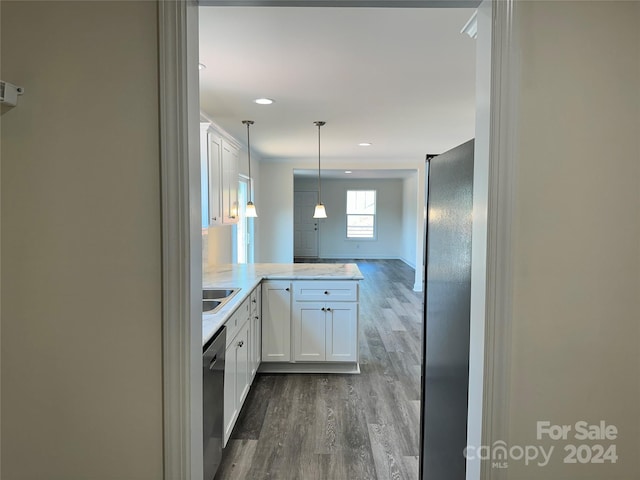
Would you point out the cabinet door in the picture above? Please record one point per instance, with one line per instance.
(215, 178)
(255, 331)
(230, 159)
(243, 377)
(342, 332)
(276, 321)
(230, 404)
(308, 325)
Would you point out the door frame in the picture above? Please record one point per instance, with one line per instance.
(182, 242)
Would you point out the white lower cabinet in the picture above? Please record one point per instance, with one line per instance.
(237, 373)
(267, 327)
(255, 330)
(276, 321)
(341, 332)
(325, 332)
(309, 321)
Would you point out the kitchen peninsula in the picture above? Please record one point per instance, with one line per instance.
(289, 318)
(247, 277)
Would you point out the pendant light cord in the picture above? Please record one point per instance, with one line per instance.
(319, 184)
(319, 124)
(249, 157)
(248, 123)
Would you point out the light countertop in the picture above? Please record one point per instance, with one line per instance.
(247, 276)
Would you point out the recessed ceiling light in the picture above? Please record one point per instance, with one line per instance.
(347, 171)
(201, 66)
(263, 101)
(364, 144)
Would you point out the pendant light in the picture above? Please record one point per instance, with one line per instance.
(320, 211)
(251, 208)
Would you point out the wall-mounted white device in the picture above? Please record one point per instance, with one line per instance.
(9, 93)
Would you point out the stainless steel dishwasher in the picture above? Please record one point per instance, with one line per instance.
(213, 401)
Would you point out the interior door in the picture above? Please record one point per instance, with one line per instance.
(305, 227)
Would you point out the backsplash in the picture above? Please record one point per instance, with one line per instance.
(217, 246)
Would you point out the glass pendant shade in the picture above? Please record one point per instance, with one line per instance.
(320, 212)
(251, 210)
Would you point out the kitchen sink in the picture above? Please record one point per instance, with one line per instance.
(214, 298)
(208, 306)
(218, 293)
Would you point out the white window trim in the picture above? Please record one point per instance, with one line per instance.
(375, 217)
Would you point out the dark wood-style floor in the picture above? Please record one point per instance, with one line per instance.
(343, 427)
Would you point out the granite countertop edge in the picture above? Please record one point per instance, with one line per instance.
(246, 277)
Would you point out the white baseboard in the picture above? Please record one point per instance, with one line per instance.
(360, 257)
(408, 262)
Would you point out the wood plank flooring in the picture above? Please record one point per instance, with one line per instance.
(342, 427)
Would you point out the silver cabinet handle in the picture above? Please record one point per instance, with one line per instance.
(241, 343)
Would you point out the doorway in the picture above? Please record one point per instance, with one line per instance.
(180, 21)
(306, 228)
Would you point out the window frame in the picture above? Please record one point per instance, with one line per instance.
(374, 237)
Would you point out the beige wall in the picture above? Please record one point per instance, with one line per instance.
(576, 298)
(81, 259)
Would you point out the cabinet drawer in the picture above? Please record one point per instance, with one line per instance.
(329, 291)
(237, 320)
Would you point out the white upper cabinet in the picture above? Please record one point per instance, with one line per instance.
(230, 159)
(214, 179)
(219, 169)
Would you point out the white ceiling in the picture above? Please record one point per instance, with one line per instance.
(402, 79)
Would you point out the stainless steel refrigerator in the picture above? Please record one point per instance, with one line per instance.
(445, 370)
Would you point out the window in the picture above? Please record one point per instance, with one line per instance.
(361, 214)
(243, 230)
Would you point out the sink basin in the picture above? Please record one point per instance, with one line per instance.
(214, 298)
(218, 293)
(209, 306)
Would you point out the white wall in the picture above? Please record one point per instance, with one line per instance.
(81, 253)
(409, 220)
(275, 229)
(333, 241)
(575, 352)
